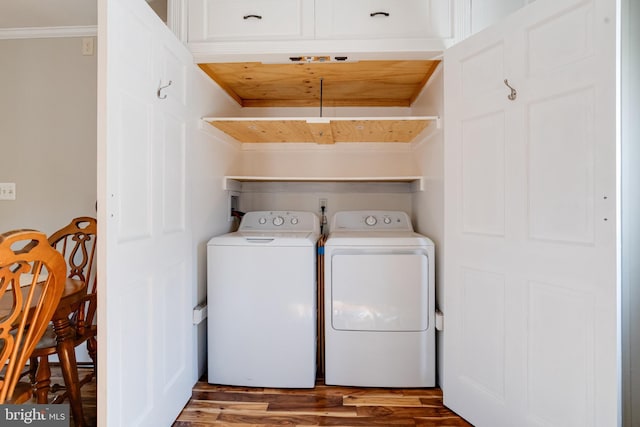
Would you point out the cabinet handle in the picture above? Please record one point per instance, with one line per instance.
(252, 16)
(372, 14)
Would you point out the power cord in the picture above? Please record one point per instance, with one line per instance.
(323, 219)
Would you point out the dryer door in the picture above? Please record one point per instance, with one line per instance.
(379, 291)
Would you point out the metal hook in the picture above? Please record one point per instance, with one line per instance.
(162, 87)
(513, 94)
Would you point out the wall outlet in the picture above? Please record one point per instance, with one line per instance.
(7, 190)
(234, 203)
(87, 46)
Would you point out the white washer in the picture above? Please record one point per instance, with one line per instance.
(379, 302)
(261, 288)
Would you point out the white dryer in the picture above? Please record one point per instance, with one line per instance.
(379, 302)
(261, 285)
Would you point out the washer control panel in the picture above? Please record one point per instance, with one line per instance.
(371, 220)
(280, 221)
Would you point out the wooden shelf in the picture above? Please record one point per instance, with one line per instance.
(231, 182)
(323, 130)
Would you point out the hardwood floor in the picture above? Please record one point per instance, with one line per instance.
(88, 393)
(214, 405)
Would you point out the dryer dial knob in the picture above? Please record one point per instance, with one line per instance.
(262, 221)
(387, 220)
(294, 221)
(278, 221)
(370, 220)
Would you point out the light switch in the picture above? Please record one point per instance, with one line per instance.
(7, 190)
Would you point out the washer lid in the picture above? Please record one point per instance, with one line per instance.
(266, 239)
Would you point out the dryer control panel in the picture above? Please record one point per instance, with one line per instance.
(371, 220)
(280, 221)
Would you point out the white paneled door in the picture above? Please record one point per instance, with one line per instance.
(146, 283)
(530, 229)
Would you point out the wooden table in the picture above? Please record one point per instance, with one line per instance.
(74, 292)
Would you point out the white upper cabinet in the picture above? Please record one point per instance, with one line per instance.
(381, 19)
(237, 20)
(274, 30)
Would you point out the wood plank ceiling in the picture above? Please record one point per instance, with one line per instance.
(391, 83)
(344, 84)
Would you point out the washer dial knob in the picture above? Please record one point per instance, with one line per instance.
(294, 221)
(387, 220)
(370, 220)
(262, 221)
(278, 221)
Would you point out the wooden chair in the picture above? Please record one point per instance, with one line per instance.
(25, 258)
(77, 244)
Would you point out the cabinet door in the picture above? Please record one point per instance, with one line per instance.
(146, 279)
(530, 219)
(231, 20)
(377, 19)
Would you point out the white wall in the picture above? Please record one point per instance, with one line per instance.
(428, 205)
(48, 132)
(337, 160)
(327, 161)
(209, 159)
(339, 196)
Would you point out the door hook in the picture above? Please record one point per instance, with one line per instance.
(162, 87)
(513, 94)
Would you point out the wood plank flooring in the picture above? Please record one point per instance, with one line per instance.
(88, 393)
(215, 405)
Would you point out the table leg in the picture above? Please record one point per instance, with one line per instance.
(43, 380)
(67, 356)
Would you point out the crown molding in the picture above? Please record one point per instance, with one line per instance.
(48, 32)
